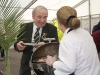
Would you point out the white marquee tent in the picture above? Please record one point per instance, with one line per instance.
(82, 6)
(88, 10)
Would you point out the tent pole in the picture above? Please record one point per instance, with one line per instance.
(24, 9)
(89, 16)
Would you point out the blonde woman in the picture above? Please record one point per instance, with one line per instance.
(77, 51)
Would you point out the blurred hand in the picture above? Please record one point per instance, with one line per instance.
(49, 60)
(40, 44)
(20, 45)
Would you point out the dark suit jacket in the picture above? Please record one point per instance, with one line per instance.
(49, 29)
(96, 37)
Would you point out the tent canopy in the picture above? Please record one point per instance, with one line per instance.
(83, 7)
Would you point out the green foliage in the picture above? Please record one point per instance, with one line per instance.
(9, 26)
(9, 22)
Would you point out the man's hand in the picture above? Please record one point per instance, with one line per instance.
(40, 44)
(20, 45)
(49, 60)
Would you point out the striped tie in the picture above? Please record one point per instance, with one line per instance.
(37, 36)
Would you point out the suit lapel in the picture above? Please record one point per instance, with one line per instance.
(44, 32)
(29, 31)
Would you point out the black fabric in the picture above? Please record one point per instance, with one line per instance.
(44, 66)
(2, 52)
(38, 72)
(70, 17)
(37, 35)
(25, 68)
(69, 30)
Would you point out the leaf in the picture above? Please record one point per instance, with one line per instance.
(10, 23)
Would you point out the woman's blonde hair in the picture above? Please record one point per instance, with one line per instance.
(68, 17)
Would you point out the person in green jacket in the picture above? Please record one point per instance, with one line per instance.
(60, 33)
